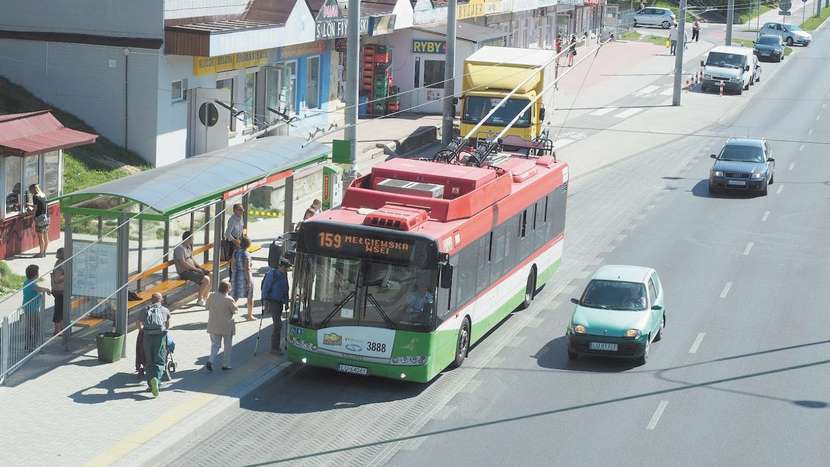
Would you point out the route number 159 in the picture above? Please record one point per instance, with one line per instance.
(330, 240)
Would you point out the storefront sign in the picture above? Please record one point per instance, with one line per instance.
(238, 61)
(478, 8)
(423, 46)
(379, 25)
(332, 22)
(293, 51)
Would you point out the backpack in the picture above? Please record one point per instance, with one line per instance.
(154, 320)
(275, 252)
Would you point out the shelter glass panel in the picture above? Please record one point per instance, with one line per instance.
(31, 172)
(14, 195)
(52, 175)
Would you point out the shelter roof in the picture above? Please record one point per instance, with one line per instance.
(37, 132)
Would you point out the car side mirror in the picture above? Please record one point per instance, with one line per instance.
(575, 301)
(656, 307)
(446, 276)
(702, 63)
(713, 156)
(770, 159)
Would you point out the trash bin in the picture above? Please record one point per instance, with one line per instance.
(109, 346)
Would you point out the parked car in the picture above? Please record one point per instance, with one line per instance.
(620, 313)
(744, 164)
(651, 16)
(789, 33)
(735, 67)
(769, 47)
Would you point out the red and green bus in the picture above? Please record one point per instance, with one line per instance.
(421, 260)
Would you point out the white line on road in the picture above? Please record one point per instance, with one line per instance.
(697, 342)
(780, 188)
(647, 90)
(661, 407)
(725, 290)
(748, 248)
(668, 92)
(810, 132)
(792, 165)
(801, 148)
(629, 112)
(766, 215)
(601, 112)
(818, 117)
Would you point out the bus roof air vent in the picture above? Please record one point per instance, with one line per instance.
(396, 217)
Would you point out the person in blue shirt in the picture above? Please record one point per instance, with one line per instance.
(274, 299)
(31, 306)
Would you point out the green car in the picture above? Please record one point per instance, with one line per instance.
(621, 312)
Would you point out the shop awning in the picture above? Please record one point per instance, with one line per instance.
(205, 178)
(37, 132)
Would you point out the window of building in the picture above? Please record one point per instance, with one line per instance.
(31, 171)
(51, 174)
(228, 84)
(14, 194)
(434, 73)
(312, 84)
(178, 90)
(287, 86)
(249, 99)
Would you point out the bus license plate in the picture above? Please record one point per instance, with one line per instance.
(354, 370)
(606, 346)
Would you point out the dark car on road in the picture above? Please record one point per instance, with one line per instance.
(744, 164)
(769, 47)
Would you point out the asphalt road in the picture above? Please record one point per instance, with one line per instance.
(740, 378)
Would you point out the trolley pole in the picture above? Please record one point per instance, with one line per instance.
(449, 76)
(730, 17)
(352, 80)
(678, 57)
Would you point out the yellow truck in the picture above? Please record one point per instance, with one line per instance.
(490, 74)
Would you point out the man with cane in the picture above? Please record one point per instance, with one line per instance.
(274, 299)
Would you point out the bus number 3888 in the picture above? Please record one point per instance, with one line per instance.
(376, 347)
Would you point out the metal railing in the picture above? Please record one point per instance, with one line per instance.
(22, 332)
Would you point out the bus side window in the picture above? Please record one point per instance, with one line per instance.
(523, 224)
(484, 251)
(497, 266)
(547, 201)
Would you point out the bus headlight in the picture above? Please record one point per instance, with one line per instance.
(409, 360)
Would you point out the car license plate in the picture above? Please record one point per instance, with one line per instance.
(737, 182)
(354, 370)
(606, 346)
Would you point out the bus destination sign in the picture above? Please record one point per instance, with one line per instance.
(353, 244)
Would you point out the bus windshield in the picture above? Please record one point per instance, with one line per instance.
(358, 292)
(477, 107)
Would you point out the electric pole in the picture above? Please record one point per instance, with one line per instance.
(678, 53)
(818, 8)
(352, 80)
(449, 76)
(730, 17)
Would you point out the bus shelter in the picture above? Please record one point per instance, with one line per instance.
(119, 234)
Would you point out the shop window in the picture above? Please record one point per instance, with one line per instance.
(228, 84)
(14, 194)
(288, 92)
(249, 99)
(434, 73)
(178, 90)
(312, 88)
(51, 174)
(31, 174)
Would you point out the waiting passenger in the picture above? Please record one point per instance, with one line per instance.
(188, 269)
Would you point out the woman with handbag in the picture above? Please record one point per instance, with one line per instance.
(242, 276)
(41, 218)
(572, 52)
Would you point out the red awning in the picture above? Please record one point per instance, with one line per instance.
(37, 132)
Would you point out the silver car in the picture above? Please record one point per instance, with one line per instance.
(651, 16)
(789, 33)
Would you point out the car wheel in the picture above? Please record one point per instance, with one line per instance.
(644, 358)
(740, 91)
(772, 178)
(746, 86)
(790, 41)
(635, 24)
(530, 290)
(665, 25)
(780, 57)
(659, 335)
(463, 344)
(764, 190)
(572, 355)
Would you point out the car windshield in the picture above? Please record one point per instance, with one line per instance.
(349, 292)
(725, 60)
(741, 153)
(614, 295)
(769, 40)
(792, 27)
(477, 107)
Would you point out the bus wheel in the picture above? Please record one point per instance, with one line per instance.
(463, 344)
(530, 289)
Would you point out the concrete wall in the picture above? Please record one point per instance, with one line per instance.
(123, 18)
(89, 81)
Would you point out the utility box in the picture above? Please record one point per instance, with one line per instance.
(341, 152)
(332, 186)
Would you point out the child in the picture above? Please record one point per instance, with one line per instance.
(31, 306)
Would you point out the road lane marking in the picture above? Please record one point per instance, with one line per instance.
(792, 165)
(748, 248)
(725, 290)
(818, 117)
(647, 90)
(801, 148)
(778, 191)
(629, 112)
(661, 407)
(809, 132)
(668, 92)
(697, 342)
(601, 112)
(766, 215)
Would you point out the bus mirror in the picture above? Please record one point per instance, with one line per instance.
(446, 276)
(541, 114)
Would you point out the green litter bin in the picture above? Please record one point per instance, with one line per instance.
(109, 346)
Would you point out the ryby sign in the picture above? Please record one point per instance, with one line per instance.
(421, 46)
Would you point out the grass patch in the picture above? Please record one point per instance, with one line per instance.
(85, 166)
(674, 7)
(787, 50)
(636, 36)
(812, 23)
(9, 281)
(752, 13)
(743, 43)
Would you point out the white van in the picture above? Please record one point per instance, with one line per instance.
(735, 67)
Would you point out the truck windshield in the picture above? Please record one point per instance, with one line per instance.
(350, 292)
(725, 60)
(477, 107)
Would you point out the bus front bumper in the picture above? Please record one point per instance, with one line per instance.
(414, 373)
